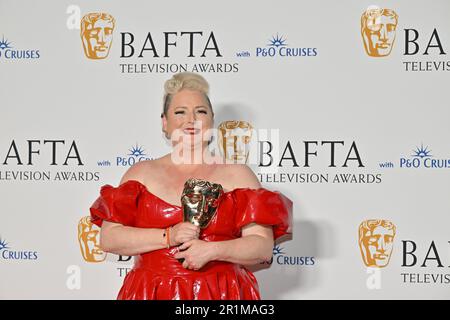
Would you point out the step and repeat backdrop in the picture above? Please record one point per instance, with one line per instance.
(341, 105)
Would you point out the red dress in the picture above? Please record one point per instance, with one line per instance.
(157, 274)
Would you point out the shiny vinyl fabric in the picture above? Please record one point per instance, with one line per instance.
(157, 274)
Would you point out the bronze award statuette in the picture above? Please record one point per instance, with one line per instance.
(199, 201)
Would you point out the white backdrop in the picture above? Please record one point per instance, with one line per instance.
(69, 123)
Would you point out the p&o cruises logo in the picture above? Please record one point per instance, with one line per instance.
(7, 253)
(279, 48)
(135, 155)
(8, 52)
(421, 157)
(280, 257)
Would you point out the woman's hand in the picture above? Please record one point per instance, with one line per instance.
(183, 232)
(196, 253)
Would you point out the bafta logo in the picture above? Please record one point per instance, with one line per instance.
(378, 29)
(234, 140)
(89, 239)
(200, 200)
(97, 34)
(376, 241)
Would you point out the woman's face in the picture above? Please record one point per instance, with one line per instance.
(188, 117)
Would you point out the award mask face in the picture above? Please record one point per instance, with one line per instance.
(376, 241)
(89, 240)
(96, 34)
(378, 29)
(234, 140)
(200, 200)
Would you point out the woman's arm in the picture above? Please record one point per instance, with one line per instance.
(255, 246)
(130, 241)
(256, 243)
(124, 240)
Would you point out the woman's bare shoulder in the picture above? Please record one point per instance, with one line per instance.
(241, 176)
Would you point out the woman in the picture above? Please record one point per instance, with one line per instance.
(142, 217)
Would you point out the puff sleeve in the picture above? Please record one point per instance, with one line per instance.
(264, 207)
(116, 204)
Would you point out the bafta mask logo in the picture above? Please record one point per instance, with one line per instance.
(234, 140)
(200, 200)
(89, 239)
(97, 34)
(376, 241)
(378, 28)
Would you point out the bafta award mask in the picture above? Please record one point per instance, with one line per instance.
(234, 140)
(376, 241)
(89, 239)
(97, 34)
(199, 201)
(378, 27)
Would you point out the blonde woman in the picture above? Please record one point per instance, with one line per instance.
(142, 217)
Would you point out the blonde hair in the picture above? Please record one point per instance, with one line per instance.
(185, 80)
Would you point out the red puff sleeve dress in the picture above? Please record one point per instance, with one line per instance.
(157, 274)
